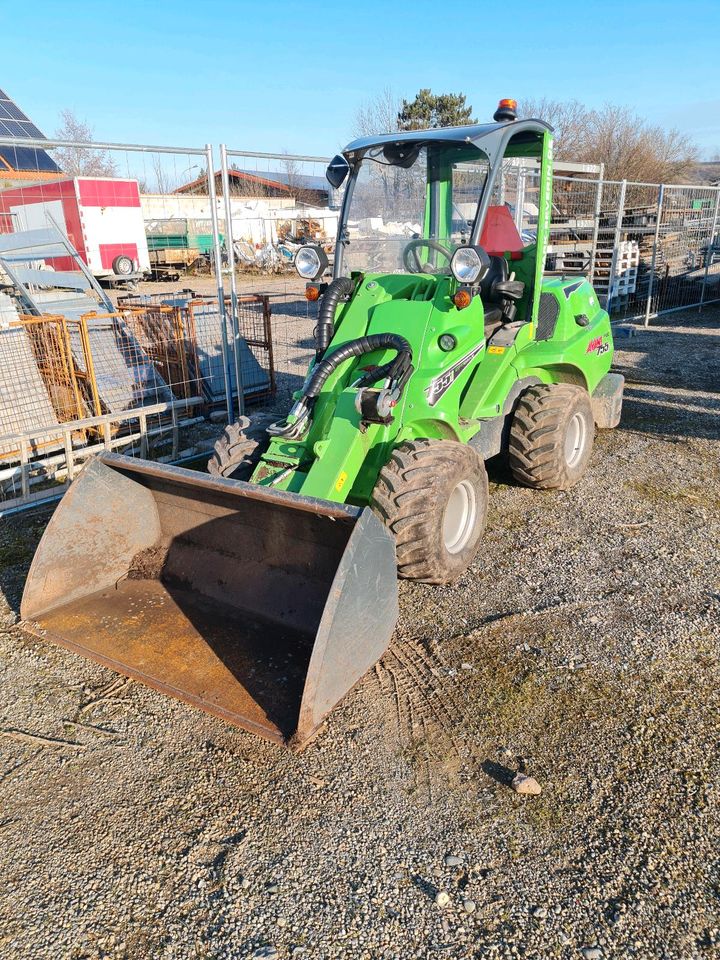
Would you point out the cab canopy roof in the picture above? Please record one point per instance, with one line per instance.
(491, 138)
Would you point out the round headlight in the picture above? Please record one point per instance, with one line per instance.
(466, 265)
(447, 342)
(307, 262)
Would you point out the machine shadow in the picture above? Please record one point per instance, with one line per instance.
(268, 663)
(239, 599)
(655, 411)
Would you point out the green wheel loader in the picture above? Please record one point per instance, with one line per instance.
(263, 591)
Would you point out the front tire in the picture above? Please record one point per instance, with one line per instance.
(432, 495)
(240, 447)
(551, 437)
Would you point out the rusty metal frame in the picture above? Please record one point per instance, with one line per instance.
(69, 462)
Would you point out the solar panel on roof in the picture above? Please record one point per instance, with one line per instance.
(15, 123)
(29, 159)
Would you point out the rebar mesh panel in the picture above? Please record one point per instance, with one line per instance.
(256, 360)
(48, 338)
(161, 333)
(125, 376)
(24, 400)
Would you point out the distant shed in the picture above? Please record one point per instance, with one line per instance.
(303, 188)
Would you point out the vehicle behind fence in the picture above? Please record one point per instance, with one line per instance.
(156, 288)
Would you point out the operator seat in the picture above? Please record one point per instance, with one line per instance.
(493, 309)
(499, 295)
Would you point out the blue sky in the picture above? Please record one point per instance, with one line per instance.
(291, 75)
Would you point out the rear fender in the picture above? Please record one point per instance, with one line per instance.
(557, 373)
(430, 429)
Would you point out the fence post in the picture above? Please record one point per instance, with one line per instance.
(616, 241)
(520, 198)
(596, 225)
(229, 242)
(212, 196)
(710, 251)
(661, 194)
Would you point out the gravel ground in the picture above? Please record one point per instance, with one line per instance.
(583, 648)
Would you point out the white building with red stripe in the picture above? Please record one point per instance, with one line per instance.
(101, 217)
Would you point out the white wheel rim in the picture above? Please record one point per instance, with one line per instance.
(459, 517)
(575, 440)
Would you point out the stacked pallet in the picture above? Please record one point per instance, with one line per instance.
(602, 271)
(624, 271)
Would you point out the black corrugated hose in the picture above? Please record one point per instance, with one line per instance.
(337, 290)
(356, 348)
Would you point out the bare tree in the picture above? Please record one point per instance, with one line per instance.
(378, 115)
(569, 119)
(162, 179)
(630, 147)
(81, 161)
(298, 188)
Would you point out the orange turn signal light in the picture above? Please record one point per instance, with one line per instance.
(312, 292)
(462, 299)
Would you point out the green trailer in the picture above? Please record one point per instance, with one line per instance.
(179, 243)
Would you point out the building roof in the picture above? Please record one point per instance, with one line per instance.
(284, 182)
(19, 159)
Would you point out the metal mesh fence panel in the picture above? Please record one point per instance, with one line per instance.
(628, 252)
(574, 225)
(273, 205)
(685, 273)
(293, 323)
(80, 226)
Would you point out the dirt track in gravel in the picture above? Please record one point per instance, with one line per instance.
(583, 647)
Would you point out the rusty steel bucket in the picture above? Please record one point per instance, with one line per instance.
(259, 606)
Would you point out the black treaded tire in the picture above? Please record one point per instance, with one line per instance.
(420, 483)
(551, 436)
(122, 266)
(240, 447)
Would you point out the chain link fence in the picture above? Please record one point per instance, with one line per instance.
(157, 290)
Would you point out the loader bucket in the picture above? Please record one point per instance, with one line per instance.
(261, 607)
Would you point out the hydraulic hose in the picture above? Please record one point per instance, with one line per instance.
(356, 348)
(398, 370)
(337, 290)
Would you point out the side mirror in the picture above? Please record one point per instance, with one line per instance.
(337, 171)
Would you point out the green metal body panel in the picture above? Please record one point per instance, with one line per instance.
(450, 394)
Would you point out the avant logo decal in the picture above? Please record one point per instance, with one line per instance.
(596, 344)
(440, 384)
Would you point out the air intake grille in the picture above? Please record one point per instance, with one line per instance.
(547, 316)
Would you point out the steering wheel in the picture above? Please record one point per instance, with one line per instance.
(411, 260)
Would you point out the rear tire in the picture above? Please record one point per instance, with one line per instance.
(551, 437)
(432, 495)
(239, 449)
